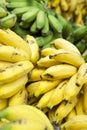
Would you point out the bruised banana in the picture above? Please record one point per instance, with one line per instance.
(12, 54)
(60, 71)
(19, 98)
(33, 45)
(57, 95)
(3, 104)
(67, 56)
(26, 112)
(19, 68)
(61, 43)
(10, 38)
(9, 89)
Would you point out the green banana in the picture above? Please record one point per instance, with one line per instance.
(30, 15)
(8, 21)
(24, 25)
(62, 20)
(81, 45)
(55, 23)
(33, 28)
(3, 3)
(3, 12)
(40, 19)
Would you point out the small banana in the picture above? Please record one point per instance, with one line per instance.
(19, 68)
(3, 104)
(57, 95)
(61, 71)
(10, 89)
(85, 98)
(8, 37)
(33, 45)
(67, 56)
(3, 12)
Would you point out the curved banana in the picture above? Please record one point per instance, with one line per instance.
(67, 56)
(25, 112)
(61, 43)
(71, 114)
(10, 89)
(57, 95)
(33, 45)
(8, 37)
(60, 71)
(3, 104)
(4, 64)
(19, 68)
(85, 98)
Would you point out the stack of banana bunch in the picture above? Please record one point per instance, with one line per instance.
(71, 9)
(58, 85)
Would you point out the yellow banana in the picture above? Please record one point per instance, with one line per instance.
(64, 5)
(58, 94)
(46, 62)
(10, 38)
(67, 56)
(64, 109)
(61, 43)
(10, 89)
(73, 5)
(71, 114)
(26, 112)
(34, 75)
(43, 101)
(15, 71)
(12, 54)
(3, 104)
(33, 45)
(61, 71)
(72, 90)
(85, 98)
(81, 75)
(78, 122)
(4, 64)
(19, 98)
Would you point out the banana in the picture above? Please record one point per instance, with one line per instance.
(4, 64)
(64, 109)
(46, 62)
(26, 112)
(10, 38)
(34, 75)
(33, 28)
(71, 114)
(24, 25)
(61, 43)
(10, 89)
(67, 56)
(19, 68)
(81, 45)
(19, 98)
(79, 106)
(12, 54)
(30, 15)
(57, 95)
(40, 20)
(73, 4)
(61, 19)
(61, 71)
(85, 98)
(33, 45)
(64, 5)
(81, 75)
(55, 23)
(24, 124)
(3, 12)
(43, 101)
(72, 88)
(78, 122)
(32, 100)
(3, 104)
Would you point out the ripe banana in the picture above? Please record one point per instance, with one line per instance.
(10, 38)
(61, 71)
(57, 95)
(19, 98)
(19, 68)
(71, 114)
(9, 89)
(63, 109)
(3, 104)
(12, 54)
(78, 122)
(67, 56)
(30, 15)
(8, 21)
(33, 45)
(72, 89)
(81, 75)
(43, 101)
(85, 98)
(40, 20)
(3, 12)
(4, 64)
(25, 112)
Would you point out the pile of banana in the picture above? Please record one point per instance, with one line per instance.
(71, 9)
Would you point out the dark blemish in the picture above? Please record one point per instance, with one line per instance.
(15, 53)
(51, 56)
(49, 75)
(62, 85)
(2, 70)
(78, 85)
(19, 64)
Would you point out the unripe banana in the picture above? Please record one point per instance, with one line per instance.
(33, 28)
(3, 12)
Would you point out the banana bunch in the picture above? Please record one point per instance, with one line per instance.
(70, 9)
